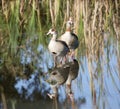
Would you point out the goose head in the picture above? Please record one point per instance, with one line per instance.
(52, 31)
(69, 23)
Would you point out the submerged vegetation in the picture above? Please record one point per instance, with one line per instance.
(24, 23)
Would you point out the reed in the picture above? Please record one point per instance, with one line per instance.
(3, 98)
(24, 20)
(13, 28)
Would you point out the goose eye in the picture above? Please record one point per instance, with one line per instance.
(52, 30)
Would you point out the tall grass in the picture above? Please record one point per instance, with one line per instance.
(23, 20)
(13, 27)
(26, 19)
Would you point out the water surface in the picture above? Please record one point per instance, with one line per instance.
(96, 87)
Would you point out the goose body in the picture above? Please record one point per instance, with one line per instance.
(70, 38)
(57, 47)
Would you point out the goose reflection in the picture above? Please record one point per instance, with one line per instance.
(73, 73)
(63, 75)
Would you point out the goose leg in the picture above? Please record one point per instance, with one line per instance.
(72, 55)
(63, 60)
(55, 60)
(68, 88)
(69, 92)
(68, 85)
(54, 94)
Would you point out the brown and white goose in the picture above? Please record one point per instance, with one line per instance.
(70, 38)
(57, 47)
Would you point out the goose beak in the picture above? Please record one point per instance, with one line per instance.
(48, 33)
(72, 24)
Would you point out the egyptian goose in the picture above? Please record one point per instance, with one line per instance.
(70, 38)
(57, 47)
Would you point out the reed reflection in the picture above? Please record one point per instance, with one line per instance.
(102, 63)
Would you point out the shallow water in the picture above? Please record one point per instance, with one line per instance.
(96, 87)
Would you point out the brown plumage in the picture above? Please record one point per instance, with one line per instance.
(57, 47)
(70, 38)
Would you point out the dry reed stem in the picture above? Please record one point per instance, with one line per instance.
(52, 13)
(56, 10)
(5, 9)
(116, 26)
(3, 100)
(96, 15)
(77, 15)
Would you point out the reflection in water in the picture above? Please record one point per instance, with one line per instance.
(104, 77)
(96, 86)
(56, 78)
(63, 74)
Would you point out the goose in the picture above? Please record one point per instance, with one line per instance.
(57, 47)
(70, 38)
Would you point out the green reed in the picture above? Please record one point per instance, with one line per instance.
(23, 20)
(13, 27)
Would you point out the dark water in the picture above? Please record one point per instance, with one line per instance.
(96, 87)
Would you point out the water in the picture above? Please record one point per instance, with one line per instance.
(97, 85)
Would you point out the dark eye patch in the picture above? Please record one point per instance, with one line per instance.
(53, 29)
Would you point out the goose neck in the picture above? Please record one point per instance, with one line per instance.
(54, 37)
